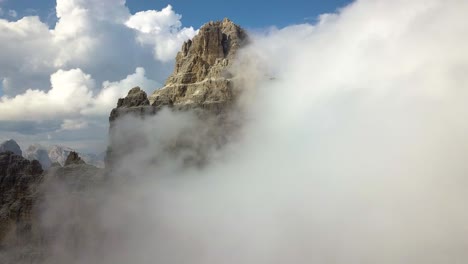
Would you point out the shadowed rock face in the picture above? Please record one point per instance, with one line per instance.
(19, 179)
(29, 195)
(11, 145)
(73, 158)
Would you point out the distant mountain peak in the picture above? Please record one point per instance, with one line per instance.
(57, 154)
(73, 159)
(11, 145)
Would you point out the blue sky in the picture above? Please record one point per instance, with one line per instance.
(251, 14)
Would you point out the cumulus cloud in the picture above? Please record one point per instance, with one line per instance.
(71, 96)
(353, 153)
(70, 113)
(98, 39)
(112, 91)
(22, 67)
(91, 35)
(161, 29)
(70, 92)
(70, 124)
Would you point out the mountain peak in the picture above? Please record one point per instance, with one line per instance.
(201, 81)
(201, 77)
(73, 158)
(201, 73)
(11, 145)
(135, 97)
(214, 43)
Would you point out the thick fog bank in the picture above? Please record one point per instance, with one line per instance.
(353, 149)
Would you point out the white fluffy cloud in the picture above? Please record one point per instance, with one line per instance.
(161, 29)
(71, 95)
(112, 91)
(91, 35)
(55, 74)
(22, 66)
(70, 92)
(73, 112)
(71, 124)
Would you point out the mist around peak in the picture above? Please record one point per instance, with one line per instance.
(352, 150)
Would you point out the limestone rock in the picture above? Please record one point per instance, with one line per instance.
(201, 73)
(135, 97)
(208, 52)
(200, 79)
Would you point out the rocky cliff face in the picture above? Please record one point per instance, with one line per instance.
(19, 179)
(201, 77)
(33, 218)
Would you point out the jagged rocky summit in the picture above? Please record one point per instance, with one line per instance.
(201, 77)
(11, 145)
(201, 83)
